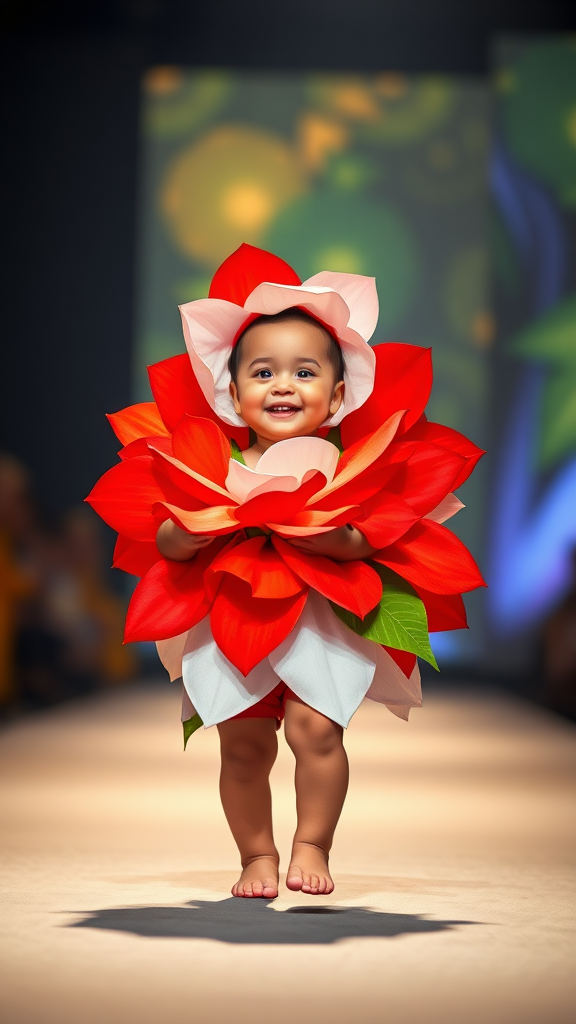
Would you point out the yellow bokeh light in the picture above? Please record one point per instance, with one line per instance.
(483, 329)
(226, 188)
(247, 205)
(391, 86)
(319, 137)
(356, 101)
(163, 81)
(342, 258)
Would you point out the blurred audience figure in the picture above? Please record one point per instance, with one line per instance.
(559, 642)
(94, 614)
(60, 623)
(16, 584)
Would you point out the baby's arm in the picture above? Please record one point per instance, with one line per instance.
(343, 545)
(174, 543)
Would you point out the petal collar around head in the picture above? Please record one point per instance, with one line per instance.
(346, 303)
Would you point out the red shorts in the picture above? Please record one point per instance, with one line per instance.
(273, 705)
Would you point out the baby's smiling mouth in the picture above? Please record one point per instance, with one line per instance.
(282, 409)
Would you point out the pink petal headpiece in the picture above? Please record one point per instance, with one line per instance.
(252, 283)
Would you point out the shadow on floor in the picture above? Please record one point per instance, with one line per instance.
(254, 921)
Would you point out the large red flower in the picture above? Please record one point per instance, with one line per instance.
(394, 481)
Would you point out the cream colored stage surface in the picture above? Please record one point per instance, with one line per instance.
(453, 864)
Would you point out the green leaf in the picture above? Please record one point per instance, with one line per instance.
(190, 726)
(399, 621)
(334, 437)
(236, 452)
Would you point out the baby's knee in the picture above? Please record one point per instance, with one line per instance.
(242, 755)
(314, 733)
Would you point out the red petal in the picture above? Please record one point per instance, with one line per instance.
(403, 659)
(170, 599)
(278, 506)
(444, 611)
(125, 497)
(247, 629)
(244, 270)
(141, 446)
(431, 557)
(177, 391)
(200, 489)
(309, 522)
(359, 470)
(403, 381)
(142, 420)
(427, 476)
(256, 562)
(135, 557)
(353, 585)
(445, 437)
(384, 518)
(201, 445)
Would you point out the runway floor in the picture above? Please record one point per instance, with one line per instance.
(453, 861)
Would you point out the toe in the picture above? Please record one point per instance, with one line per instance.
(294, 879)
(257, 888)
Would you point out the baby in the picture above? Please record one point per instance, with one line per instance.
(287, 379)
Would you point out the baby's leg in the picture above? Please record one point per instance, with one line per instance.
(321, 784)
(249, 747)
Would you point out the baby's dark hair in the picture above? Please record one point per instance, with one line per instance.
(334, 351)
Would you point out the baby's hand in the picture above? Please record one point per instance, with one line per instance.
(175, 543)
(343, 545)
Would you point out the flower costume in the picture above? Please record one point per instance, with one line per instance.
(251, 610)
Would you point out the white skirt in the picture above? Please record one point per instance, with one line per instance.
(323, 661)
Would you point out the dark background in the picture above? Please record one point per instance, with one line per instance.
(70, 111)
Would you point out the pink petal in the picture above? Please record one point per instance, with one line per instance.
(210, 327)
(298, 455)
(323, 303)
(170, 653)
(359, 294)
(244, 483)
(447, 508)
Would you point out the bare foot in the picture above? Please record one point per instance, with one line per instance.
(308, 871)
(259, 878)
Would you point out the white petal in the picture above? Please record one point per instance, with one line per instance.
(447, 508)
(170, 653)
(217, 689)
(325, 663)
(359, 294)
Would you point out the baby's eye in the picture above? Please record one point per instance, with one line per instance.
(263, 374)
(303, 374)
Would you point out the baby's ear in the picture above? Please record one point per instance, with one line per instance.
(235, 399)
(337, 397)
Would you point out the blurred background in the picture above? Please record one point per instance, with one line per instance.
(430, 144)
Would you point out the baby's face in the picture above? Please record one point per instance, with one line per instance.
(286, 384)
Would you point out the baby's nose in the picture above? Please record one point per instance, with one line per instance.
(283, 386)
